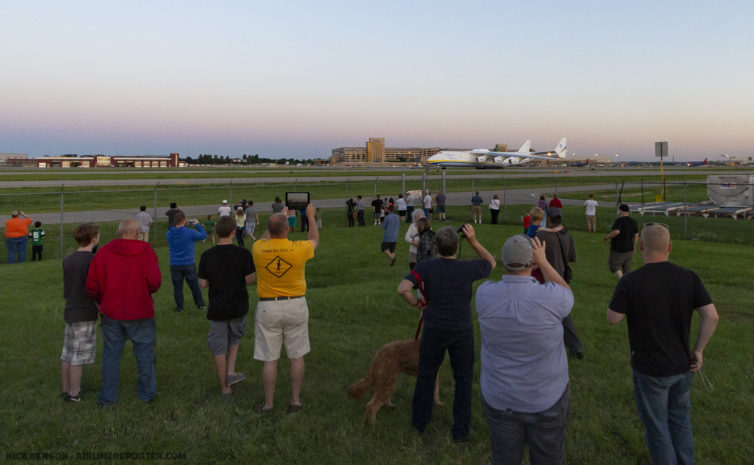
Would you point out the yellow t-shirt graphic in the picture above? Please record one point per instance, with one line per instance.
(281, 266)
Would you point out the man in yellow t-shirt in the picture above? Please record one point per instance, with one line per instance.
(282, 316)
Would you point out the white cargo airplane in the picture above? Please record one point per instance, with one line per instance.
(477, 157)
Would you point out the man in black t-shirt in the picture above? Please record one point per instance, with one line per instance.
(174, 210)
(446, 283)
(226, 269)
(623, 236)
(377, 204)
(658, 300)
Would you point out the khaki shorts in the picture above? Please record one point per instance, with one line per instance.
(281, 322)
(591, 220)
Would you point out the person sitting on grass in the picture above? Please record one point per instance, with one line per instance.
(226, 269)
(80, 314)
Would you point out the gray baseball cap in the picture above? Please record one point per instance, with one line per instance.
(517, 253)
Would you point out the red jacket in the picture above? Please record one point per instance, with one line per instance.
(555, 202)
(122, 278)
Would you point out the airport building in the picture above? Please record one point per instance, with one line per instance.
(106, 161)
(14, 158)
(374, 151)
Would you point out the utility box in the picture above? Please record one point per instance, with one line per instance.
(731, 190)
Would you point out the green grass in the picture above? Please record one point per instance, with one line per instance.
(354, 310)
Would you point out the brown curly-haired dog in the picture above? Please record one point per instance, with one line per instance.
(390, 360)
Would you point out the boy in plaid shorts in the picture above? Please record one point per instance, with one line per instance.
(80, 313)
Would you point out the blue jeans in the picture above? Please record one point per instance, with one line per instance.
(664, 405)
(188, 272)
(544, 432)
(16, 249)
(142, 334)
(460, 347)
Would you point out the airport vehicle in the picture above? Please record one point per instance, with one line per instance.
(580, 164)
(480, 157)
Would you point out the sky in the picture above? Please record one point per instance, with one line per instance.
(299, 78)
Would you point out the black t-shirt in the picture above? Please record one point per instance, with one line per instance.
(225, 267)
(447, 285)
(624, 242)
(78, 306)
(658, 300)
(171, 215)
(377, 204)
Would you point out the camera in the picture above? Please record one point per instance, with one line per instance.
(296, 200)
(460, 230)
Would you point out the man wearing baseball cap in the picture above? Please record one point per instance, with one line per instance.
(16, 232)
(524, 376)
(224, 209)
(623, 237)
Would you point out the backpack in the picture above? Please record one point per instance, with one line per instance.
(427, 247)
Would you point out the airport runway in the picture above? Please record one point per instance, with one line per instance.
(361, 176)
(527, 197)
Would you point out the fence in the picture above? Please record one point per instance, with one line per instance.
(66, 206)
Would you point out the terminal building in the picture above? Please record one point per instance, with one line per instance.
(374, 151)
(107, 161)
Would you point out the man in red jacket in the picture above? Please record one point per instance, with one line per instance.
(122, 278)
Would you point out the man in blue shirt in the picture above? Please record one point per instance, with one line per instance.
(182, 265)
(524, 377)
(447, 285)
(391, 224)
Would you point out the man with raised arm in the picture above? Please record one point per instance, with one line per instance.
(447, 285)
(282, 316)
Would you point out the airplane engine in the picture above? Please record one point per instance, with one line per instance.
(481, 158)
(499, 160)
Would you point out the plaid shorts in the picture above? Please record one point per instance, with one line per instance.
(79, 342)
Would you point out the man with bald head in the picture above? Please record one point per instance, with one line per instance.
(658, 301)
(282, 316)
(122, 278)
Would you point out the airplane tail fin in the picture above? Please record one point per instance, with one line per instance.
(560, 148)
(525, 147)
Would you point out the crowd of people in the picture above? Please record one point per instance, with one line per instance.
(524, 319)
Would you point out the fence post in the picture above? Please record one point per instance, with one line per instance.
(62, 252)
(403, 183)
(685, 206)
(230, 192)
(154, 219)
(505, 203)
(443, 181)
(375, 186)
(472, 185)
(642, 192)
(424, 182)
(347, 180)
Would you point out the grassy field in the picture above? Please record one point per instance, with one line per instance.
(354, 310)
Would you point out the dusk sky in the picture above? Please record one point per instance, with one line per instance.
(299, 78)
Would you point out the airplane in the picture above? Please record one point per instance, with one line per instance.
(478, 157)
(697, 163)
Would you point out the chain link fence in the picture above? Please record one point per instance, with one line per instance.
(686, 204)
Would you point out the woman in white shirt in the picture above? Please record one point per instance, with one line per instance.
(494, 208)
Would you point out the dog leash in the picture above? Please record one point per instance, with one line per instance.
(423, 301)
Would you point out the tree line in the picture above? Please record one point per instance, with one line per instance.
(207, 159)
